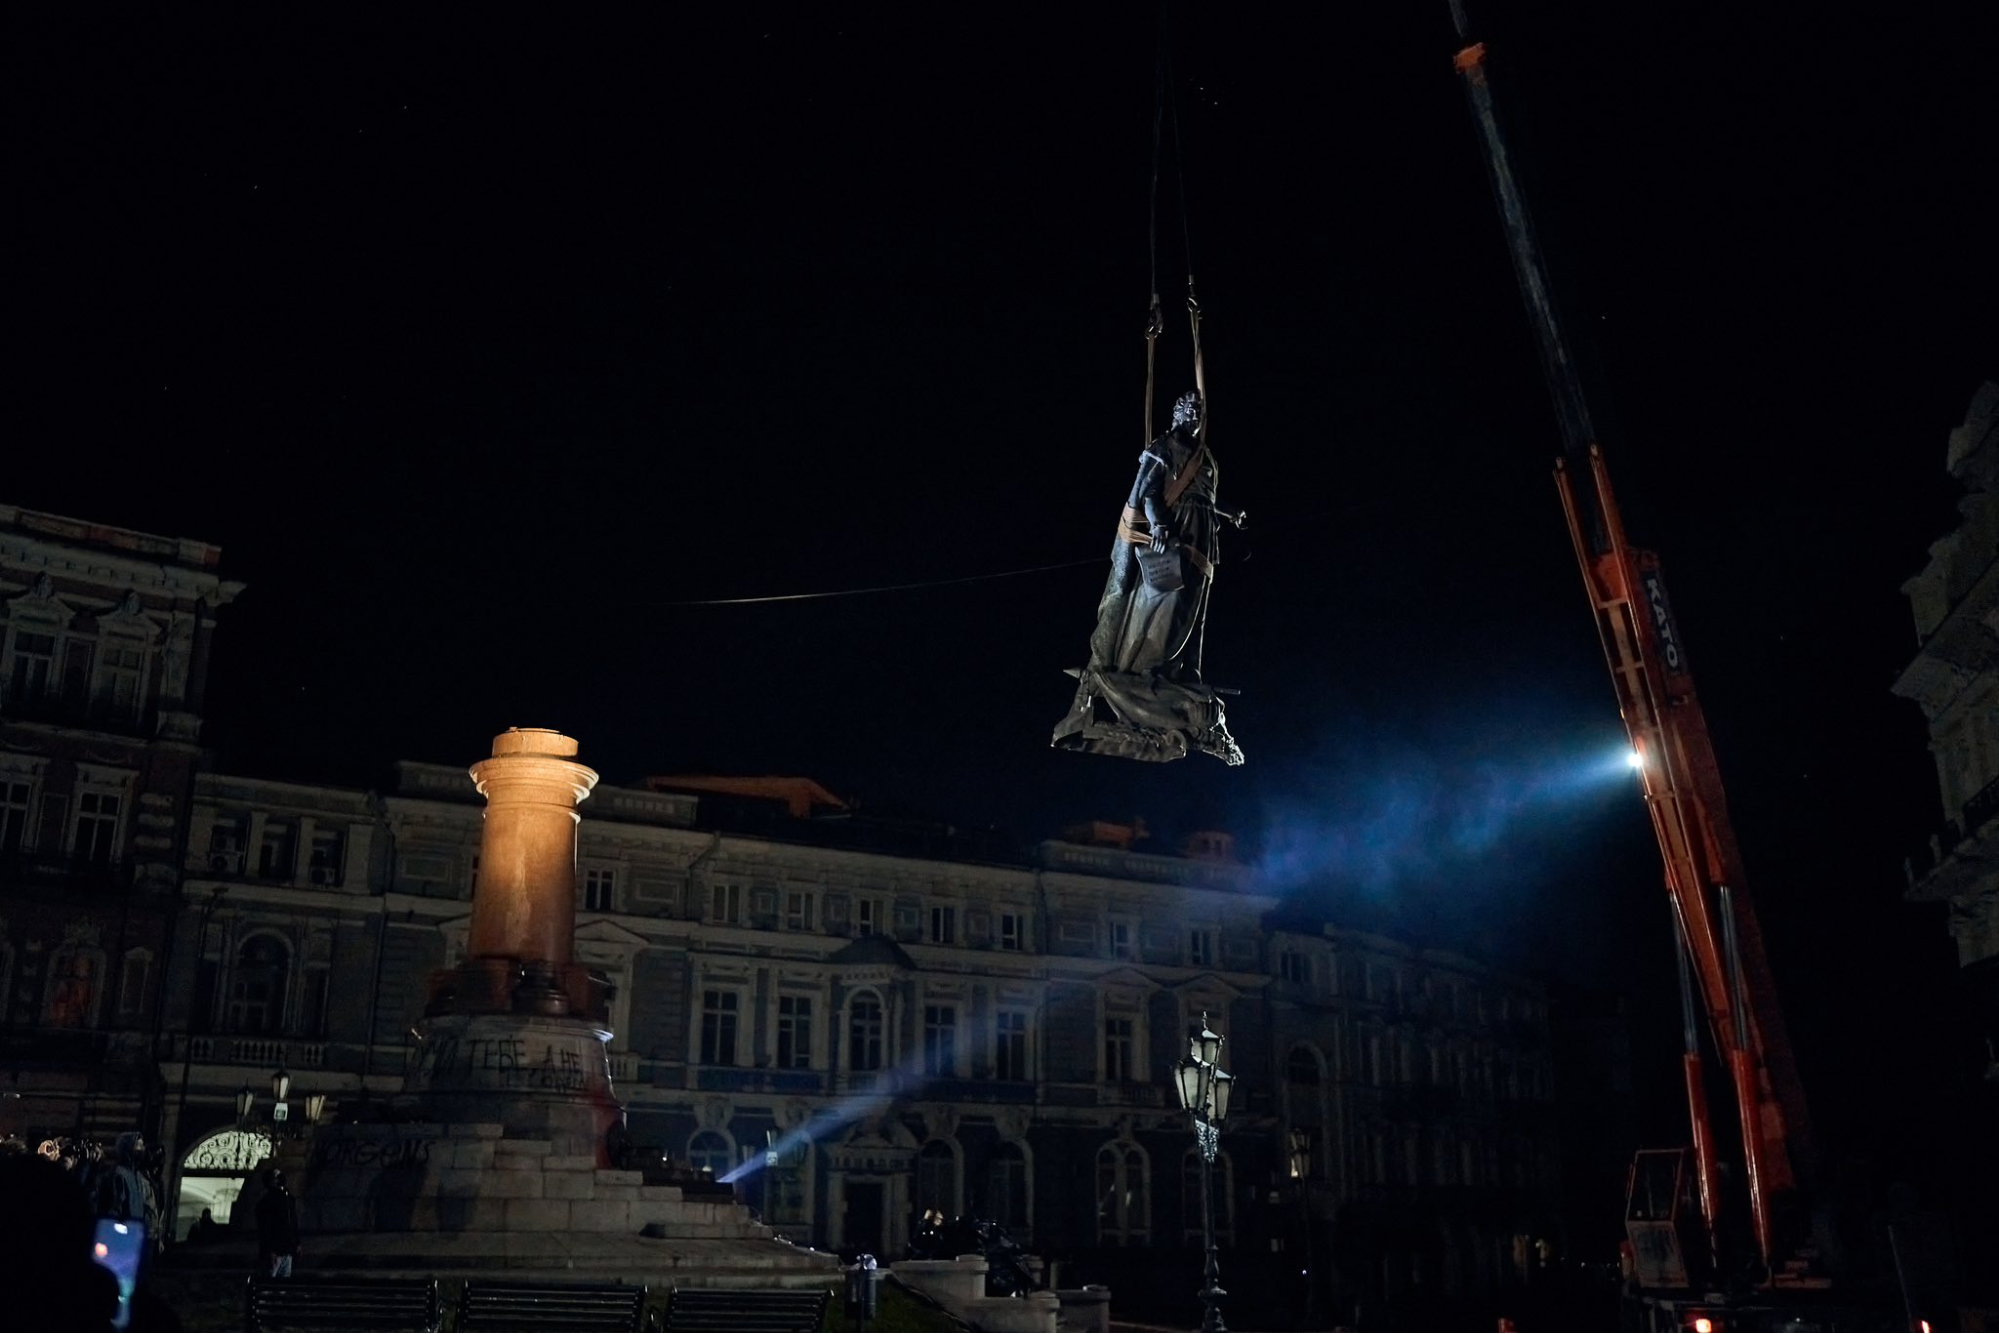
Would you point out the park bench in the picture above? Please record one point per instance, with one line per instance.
(500, 1305)
(761, 1309)
(358, 1304)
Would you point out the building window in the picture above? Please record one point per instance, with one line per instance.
(134, 983)
(725, 904)
(709, 1152)
(864, 1034)
(937, 1179)
(1119, 1049)
(794, 1032)
(1012, 931)
(868, 917)
(1302, 1068)
(16, 799)
(312, 1003)
(324, 861)
(33, 663)
(600, 889)
(1121, 941)
(1295, 968)
(1124, 1213)
(787, 1195)
(1006, 1189)
(277, 857)
(1010, 1045)
(75, 988)
(943, 926)
(121, 674)
(257, 985)
(718, 1027)
(798, 914)
(1201, 947)
(96, 838)
(940, 1040)
(1190, 1198)
(1380, 984)
(1370, 1058)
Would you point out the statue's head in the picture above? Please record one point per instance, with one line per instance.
(1187, 408)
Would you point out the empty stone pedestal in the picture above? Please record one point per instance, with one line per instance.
(541, 1077)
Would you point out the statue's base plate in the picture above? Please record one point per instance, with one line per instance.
(1151, 718)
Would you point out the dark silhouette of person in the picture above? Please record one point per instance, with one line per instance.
(47, 1272)
(277, 1225)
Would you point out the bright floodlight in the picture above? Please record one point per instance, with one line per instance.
(1636, 759)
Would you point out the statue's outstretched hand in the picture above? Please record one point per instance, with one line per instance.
(1162, 537)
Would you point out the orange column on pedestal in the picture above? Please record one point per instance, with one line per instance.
(524, 903)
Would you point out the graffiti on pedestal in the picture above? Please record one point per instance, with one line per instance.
(406, 1151)
(501, 1063)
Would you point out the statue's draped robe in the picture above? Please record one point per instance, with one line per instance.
(1145, 655)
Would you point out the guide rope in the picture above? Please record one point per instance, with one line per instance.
(886, 588)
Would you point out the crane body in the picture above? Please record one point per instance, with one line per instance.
(1681, 1210)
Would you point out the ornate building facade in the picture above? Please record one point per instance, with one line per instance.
(104, 642)
(905, 1018)
(1954, 677)
(908, 1030)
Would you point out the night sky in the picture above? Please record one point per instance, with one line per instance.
(479, 349)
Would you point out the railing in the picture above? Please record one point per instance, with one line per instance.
(220, 1049)
(1981, 808)
(979, 1090)
(59, 1046)
(53, 867)
(727, 1079)
(624, 1067)
(1134, 1095)
(76, 709)
(1972, 819)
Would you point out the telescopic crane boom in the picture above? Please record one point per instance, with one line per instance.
(1725, 974)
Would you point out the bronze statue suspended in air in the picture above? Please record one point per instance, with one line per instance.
(1145, 657)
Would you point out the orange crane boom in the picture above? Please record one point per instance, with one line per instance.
(1722, 948)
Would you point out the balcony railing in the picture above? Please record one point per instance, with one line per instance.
(979, 1090)
(69, 708)
(54, 868)
(1981, 808)
(729, 1079)
(53, 1046)
(624, 1067)
(223, 1049)
(1971, 821)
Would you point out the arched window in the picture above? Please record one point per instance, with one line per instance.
(1302, 1068)
(864, 1033)
(75, 988)
(937, 1179)
(257, 985)
(1007, 1201)
(1124, 1209)
(711, 1151)
(1190, 1198)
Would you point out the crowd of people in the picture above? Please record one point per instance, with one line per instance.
(57, 1190)
(120, 1180)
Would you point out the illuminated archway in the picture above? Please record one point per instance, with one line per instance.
(213, 1173)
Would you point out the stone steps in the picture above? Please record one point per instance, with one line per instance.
(425, 1177)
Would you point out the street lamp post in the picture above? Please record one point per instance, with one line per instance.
(1204, 1089)
(1300, 1144)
